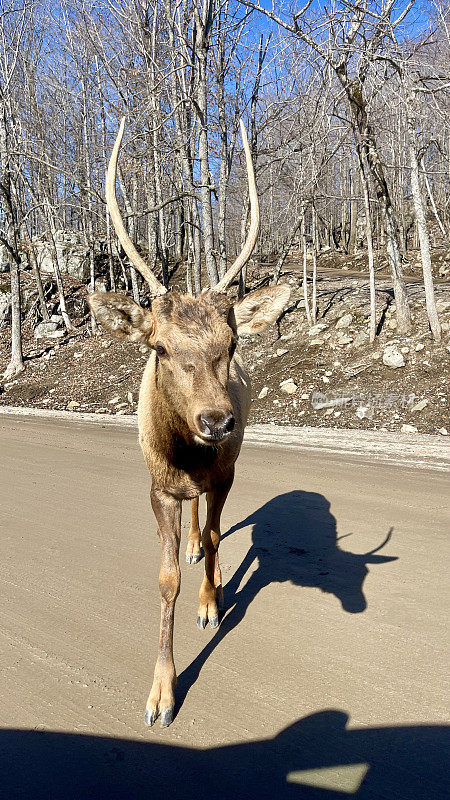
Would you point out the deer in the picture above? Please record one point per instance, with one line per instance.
(193, 406)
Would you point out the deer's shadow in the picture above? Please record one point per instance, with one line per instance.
(294, 539)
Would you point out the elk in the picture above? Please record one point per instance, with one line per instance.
(193, 406)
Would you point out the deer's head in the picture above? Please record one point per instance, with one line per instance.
(194, 338)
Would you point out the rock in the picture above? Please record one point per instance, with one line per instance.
(72, 254)
(144, 349)
(442, 305)
(78, 355)
(345, 321)
(360, 339)
(114, 400)
(4, 259)
(392, 323)
(263, 393)
(44, 329)
(56, 318)
(288, 386)
(408, 428)
(362, 412)
(405, 349)
(344, 338)
(305, 397)
(281, 352)
(73, 404)
(376, 356)
(392, 357)
(419, 346)
(443, 431)
(130, 398)
(420, 405)
(5, 308)
(315, 342)
(325, 379)
(102, 411)
(317, 329)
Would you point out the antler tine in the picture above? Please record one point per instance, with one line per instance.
(380, 546)
(111, 201)
(252, 236)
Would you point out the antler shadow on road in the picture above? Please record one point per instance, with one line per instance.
(294, 538)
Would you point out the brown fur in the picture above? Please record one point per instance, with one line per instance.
(194, 367)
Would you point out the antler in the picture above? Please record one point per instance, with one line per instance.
(380, 546)
(138, 262)
(252, 235)
(111, 201)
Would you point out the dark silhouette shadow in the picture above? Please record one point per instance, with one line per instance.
(316, 758)
(294, 539)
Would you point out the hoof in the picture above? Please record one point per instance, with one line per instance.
(150, 717)
(201, 622)
(167, 717)
(193, 559)
(214, 622)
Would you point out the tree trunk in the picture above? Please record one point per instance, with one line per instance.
(305, 257)
(419, 211)
(314, 262)
(368, 142)
(369, 239)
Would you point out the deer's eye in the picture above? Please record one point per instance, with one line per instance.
(160, 350)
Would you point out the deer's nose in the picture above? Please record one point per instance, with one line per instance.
(215, 423)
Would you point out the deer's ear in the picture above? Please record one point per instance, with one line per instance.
(121, 316)
(259, 309)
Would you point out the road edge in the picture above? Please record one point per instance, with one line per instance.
(416, 450)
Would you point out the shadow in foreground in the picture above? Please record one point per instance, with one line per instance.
(317, 758)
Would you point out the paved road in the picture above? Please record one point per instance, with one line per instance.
(327, 675)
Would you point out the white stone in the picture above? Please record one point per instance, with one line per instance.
(345, 321)
(392, 357)
(317, 329)
(263, 393)
(443, 431)
(73, 404)
(281, 352)
(288, 386)
(344, 338)
(408, 428)
(420, 405)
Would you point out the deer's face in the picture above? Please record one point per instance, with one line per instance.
(194, 344)
(194, 340)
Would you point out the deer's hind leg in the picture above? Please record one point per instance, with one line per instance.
(193, 550)
(211, 593)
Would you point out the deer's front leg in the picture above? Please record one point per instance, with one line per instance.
(161, 699)
(211, 594)
(193, 552)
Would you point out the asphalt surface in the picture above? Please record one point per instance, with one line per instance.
(328, 675)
